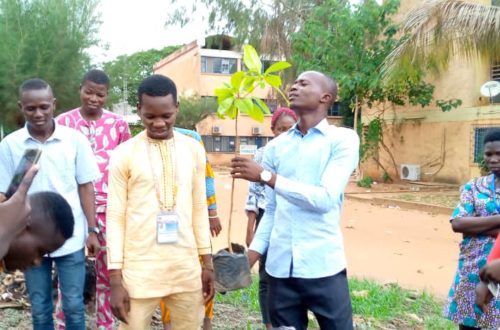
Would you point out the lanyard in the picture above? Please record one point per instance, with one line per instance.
(167, 159)
(494, 193)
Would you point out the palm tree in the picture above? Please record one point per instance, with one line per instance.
(437, 31)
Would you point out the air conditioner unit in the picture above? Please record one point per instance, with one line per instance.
(216, 130)
(257, 130)
(410, 172)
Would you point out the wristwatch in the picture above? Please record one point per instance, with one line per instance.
(265, 176)
(94, 230)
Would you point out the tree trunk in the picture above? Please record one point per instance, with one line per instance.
(355, 125)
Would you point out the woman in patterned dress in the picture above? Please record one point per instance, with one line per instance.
(477, 218)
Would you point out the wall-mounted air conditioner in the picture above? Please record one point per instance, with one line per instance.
(409, 172)
(257, 130)
(216, 130)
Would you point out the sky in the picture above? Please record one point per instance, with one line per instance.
(129, 26)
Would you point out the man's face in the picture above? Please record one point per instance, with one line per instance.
(38, 239)
(93, 97)
(158, 115)
(38, 107)
(307, 92)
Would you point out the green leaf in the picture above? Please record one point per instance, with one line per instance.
(278, 66)
(244, 105)
(273, 80)
(256, 113)
(222, 94)
(251, 59)
(236, 79)
(232, 112)
(225, 105)
(249, 84)
(262, 106)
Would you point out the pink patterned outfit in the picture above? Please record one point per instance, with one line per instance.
(104, 135)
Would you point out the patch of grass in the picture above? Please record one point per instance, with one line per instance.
(392, 304)
(440, 199)
(374, 306)
(247, 298)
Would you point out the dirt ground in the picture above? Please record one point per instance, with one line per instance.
(416, 249)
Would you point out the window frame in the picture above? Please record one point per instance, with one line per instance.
(208, 64)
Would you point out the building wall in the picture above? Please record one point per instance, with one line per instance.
(442, 142)
(210, 81)
(463, 78)
(227, 126)
(183, 67)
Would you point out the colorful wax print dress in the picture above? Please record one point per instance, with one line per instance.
(476, 200)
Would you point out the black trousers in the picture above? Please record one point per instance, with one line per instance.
(327, 297)
(263, 281)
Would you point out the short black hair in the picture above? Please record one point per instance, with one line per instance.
(96, 76)
(157, 85)
(32, 85)
(56, 209)
(492, 135)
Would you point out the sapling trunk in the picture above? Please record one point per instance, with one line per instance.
(236, 148)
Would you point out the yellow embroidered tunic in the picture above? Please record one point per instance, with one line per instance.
(150, 269)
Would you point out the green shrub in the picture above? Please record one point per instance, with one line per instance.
(366, 182)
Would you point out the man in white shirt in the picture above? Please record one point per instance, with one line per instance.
(67, 166)
(305, 171)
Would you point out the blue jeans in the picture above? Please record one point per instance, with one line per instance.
(71, 272)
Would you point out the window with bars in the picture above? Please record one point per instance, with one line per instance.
(334, 109)
(479, 133)
(495, 75)
(218, 143)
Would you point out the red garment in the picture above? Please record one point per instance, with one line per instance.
(495, 251)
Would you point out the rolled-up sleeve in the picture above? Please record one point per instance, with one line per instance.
(116, 209)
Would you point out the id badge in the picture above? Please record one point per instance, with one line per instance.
(167, 227)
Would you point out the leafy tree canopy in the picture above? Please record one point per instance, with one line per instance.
(193, 109)
(438, 30)
(350, 43)
(45, 39)
(127, 71)
(354, 43)
(265, 24)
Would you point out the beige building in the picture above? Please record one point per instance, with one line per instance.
(431, 145)
(197, 70)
